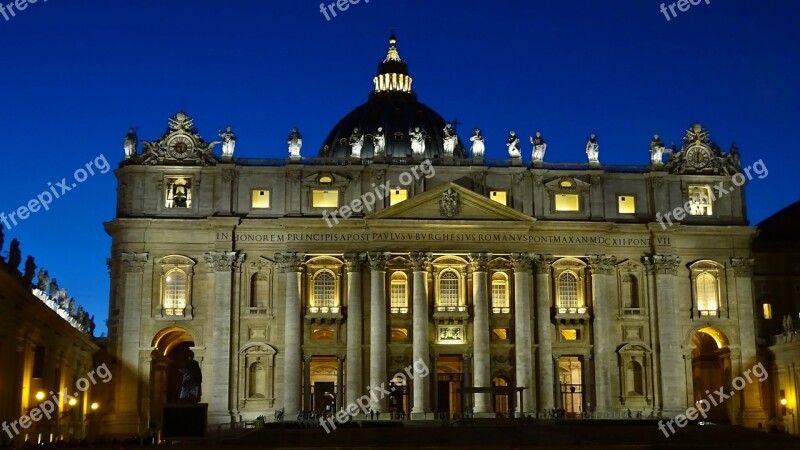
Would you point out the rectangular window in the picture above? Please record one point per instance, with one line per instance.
(500, 197)
(323, 198)
(767, 310)
(570, 335)
(568, 202)
(701, 201)
(626, 204)
(260, 198)
(397, 195)
(178, 193)
(399, 295)
(500, 333)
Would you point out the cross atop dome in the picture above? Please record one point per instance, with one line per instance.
(392, 72)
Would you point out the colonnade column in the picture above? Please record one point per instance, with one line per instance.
(291, 265)
(522, 332)
(544, 333)
(603, 304)
(421, 351)
(354, 387)
(673, 385)
(481, 337)
(339, 382)
(307, 383)
(377, 328)
(753, 413)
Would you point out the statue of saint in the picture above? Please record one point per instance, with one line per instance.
(379, 141)
(131, 141)
(295, 142)
(53, 292)
(42, 280)
(593, 150)
(30, 271)
(513, 145)
(417, 141)
(356, 143)
(191, 389)
(478, 144)
(657, 150)
(228, 142)
(450, 140)
(539, 147)
(14, 255)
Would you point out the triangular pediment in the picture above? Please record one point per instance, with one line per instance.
(450, 202)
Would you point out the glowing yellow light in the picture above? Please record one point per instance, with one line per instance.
(40, 396)
(72, 402)
(784, 402)
(95, 406)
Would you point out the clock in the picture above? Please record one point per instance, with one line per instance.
(698, 157)
(179, 147)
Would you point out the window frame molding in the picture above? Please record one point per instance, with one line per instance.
(717, 271)
(165, 266)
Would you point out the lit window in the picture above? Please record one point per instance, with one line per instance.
(399, 334)
(499, 196)
(324, 334)
(767, 310)
(448, 289)
(399, 293)
(701, 201)
(325, 198)
(500, 293)
(707, 299)
(500, 333)
(325, 179)
(260, 198)
(567, 202)
(569, 335)
(175, 286)
(324, 289)
(568, 290)
(566, 184)
(626, 204)
(398, 195)
(179, 193)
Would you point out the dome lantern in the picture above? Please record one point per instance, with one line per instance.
(392, 72)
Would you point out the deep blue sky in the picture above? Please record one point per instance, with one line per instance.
(77, 74)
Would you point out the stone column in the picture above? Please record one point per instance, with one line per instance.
(466, 400)
(125, 419)
(753, 413)
(291, 265)
(421, 351)
(236, 306)
(481, 333)
(217, 371)
(604, 303)
(377, 328)
(307, 395)
(339, 382)
(355, 328)
(673, 384)
(544, 334)
(653, 321)
(588, 383)
(522, 332)
(558, 401)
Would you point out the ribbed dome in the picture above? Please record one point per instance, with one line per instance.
(394, 107)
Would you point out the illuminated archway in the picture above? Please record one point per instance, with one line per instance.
(172, 349)
(711, 368)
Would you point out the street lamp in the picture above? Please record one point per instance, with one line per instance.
(40, 395)
(94, 406)
(72, 402)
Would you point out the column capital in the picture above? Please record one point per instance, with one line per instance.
(134, 262)
(377, 260)
(238, 261)
(662, 264)
(480, 261)
(521, 262)
(743, 267)
(307, 358)
(602, 264)
(290, 262)
(221, 261)
(542, 263)
(354, 261)
(467, 356)
(420, 260)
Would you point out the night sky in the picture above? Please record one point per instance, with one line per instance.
(77, 74)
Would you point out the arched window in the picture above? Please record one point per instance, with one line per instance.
(175, 286)
(499, 293)
(324, 289)
(449, 289)
(257, 381)
(399, 293)
(707, 294)
(568, 290)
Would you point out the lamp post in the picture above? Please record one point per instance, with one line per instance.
(787, 410)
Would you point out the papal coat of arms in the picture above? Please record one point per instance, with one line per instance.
(450, 203)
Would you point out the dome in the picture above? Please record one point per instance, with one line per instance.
(394, 108)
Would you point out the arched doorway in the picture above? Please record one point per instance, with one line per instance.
(173, 351)
(711, 369)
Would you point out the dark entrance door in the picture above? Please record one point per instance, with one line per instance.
(324, 397)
